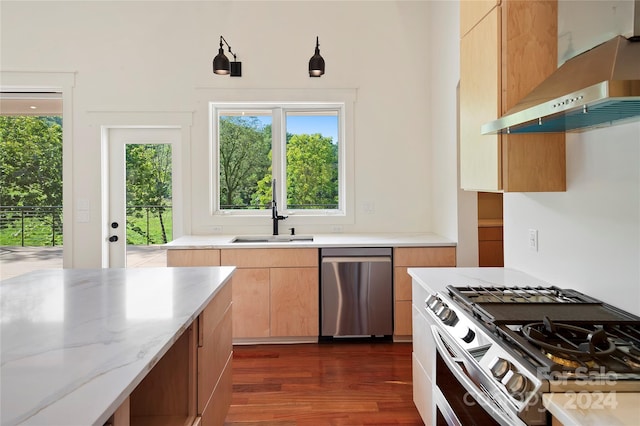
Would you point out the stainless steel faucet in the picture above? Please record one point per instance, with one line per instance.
(274, 211)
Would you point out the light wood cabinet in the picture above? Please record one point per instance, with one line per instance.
(411, 257)
(251, 303)
(191, 383)
(277, 292)
(473, 11)
(490, 230)
(294, 302)
(166, 394)
(193, 257)
(214, 357)
(270, 257)
(503, 56)
(490, 246)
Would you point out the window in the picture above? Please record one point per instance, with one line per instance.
(298, 146)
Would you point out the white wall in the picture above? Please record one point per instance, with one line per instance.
(454, 211)
(589, 236)
(153, 59)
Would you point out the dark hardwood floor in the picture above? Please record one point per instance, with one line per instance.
(343, 383)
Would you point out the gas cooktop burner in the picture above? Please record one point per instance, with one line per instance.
(568, 342)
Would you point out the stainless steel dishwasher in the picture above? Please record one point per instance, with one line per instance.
(356, 292)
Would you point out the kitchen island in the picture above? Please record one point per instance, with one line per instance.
(81, 345)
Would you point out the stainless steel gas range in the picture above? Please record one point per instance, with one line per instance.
(499, 349)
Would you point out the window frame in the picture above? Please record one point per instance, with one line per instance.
(279, 110)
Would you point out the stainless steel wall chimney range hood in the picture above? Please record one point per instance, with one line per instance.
(597, 88)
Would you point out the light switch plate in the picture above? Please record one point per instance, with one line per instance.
(533, 239)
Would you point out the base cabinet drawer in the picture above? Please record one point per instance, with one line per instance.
(212, 359)
(413, 257)
(216, 410)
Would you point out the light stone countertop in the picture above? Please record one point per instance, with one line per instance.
(589, 409)
(436, 279)
(76, 342)
(319, 240)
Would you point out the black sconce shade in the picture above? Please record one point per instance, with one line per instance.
(221, 63)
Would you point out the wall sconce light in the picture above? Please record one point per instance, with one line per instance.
(316, 63)
(221, 64)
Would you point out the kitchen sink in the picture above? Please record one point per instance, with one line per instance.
(271, 238)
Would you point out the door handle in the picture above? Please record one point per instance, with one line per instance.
(113, 238)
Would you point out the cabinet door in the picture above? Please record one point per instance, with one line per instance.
(480, 74)
(251, 303)
(294, 302)
(530, 162)
(216, 411)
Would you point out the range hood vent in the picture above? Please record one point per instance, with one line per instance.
(597, 88)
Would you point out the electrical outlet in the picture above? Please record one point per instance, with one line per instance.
(336, 229)
(533, 239)
(216, 229)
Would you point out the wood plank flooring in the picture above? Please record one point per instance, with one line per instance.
(342, 383)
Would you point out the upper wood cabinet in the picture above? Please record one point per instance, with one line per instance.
(472, 12)
(503, 56)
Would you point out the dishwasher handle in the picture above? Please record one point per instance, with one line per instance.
(355, 259)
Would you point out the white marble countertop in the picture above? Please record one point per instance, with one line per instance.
(319, 240)
(75, 342)
(436, 279)
(585, 409)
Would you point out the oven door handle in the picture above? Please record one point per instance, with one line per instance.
(471, 387)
